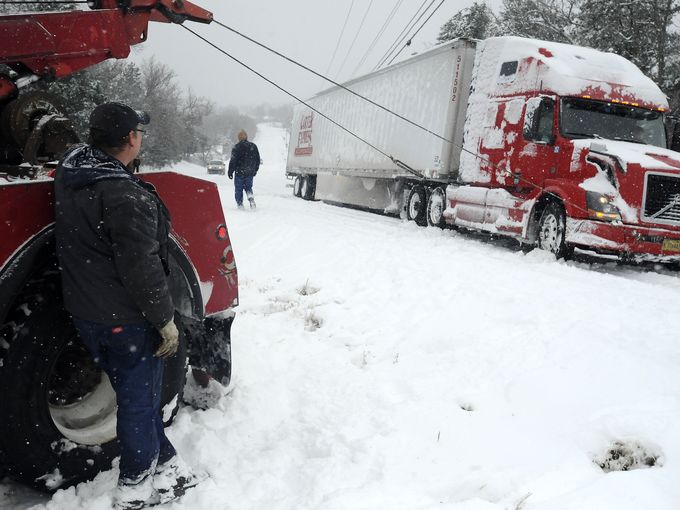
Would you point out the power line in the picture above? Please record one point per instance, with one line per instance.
(330, 80)
(400, 164)
(342, 32)
(408, 43)
(404, 30)
(380, 33)
(355, 38)
(415, 22)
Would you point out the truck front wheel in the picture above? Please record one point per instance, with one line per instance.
(552, 231)
(57, 408)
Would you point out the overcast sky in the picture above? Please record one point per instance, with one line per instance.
(306, 30)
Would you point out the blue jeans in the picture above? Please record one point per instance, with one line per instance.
(126, 354)
(241, 184)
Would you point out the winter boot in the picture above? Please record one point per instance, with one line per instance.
(252, 202)
(173, 478)
(133, 496)
(201, 377)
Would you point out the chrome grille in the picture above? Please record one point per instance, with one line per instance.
(662, 199)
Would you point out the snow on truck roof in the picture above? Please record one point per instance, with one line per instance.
(564, 69)
(569, 70)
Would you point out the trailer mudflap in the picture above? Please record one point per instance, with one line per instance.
(209, 345)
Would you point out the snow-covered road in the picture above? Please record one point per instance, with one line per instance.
(382, 366)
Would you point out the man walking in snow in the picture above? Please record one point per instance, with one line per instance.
(244, 163)
(112, 242)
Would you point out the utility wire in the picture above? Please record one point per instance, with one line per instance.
(342, 32)
(380, 33)
(292, 61)
(411, 27)
(408, 43)
(397, 162)
(400, 164)
(355, 38)
(411, 23)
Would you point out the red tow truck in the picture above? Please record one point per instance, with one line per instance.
(57, 409)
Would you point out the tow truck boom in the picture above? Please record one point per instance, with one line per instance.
(51, 45)
(35, 45)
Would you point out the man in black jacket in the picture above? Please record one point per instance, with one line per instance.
(244, 162)
(112, 243)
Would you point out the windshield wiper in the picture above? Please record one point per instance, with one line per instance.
(622, 139)
(583, 135)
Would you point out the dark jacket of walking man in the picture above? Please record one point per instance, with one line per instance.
(244, 162)
(112, 240)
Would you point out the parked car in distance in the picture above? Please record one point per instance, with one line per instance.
(216, 166)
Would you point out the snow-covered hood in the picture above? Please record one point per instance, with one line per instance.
(630, 154)
(629, 164)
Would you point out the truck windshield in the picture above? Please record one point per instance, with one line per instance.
(584, 118)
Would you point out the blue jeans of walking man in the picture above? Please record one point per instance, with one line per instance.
(241, 184)
(126, 354)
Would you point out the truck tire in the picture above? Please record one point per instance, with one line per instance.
(297, 186)
(436, 204)
(57, 409)
(308, 187)
(552, 231)
(416, 205)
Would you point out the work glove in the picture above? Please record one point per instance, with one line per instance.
(169, 340)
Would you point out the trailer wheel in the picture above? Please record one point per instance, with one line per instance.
(297, 186)
(552, 231)
(436, 204)
(308, 187)
(57, 408)
(416, 205)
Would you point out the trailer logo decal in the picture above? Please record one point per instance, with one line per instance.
(304, 144)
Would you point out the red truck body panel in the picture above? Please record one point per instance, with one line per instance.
(196, 213)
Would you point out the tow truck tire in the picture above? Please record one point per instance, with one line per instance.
(47, 377)
(416, 203)
(297, 186)
(436, 203)
(308, 187)
(552, 231)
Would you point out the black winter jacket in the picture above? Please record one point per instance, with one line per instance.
(112, 239)
(245, 159)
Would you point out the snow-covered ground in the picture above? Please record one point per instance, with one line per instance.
(379, 365)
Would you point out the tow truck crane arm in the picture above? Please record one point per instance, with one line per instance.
(56, 44)
(35, 46)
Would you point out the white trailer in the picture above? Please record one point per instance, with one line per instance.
(332, 165)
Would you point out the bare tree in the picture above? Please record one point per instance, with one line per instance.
(550, 20)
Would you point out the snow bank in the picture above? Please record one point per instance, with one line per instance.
(378, 365)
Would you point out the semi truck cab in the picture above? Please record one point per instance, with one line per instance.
(575, 129)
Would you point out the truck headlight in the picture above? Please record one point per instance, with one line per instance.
(601, 208)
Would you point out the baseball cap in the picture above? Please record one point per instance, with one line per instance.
(115, 120)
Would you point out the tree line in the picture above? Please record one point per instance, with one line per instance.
(176, 114)
(640, 30)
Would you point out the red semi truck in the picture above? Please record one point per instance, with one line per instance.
(57, 409)
(558, 146)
